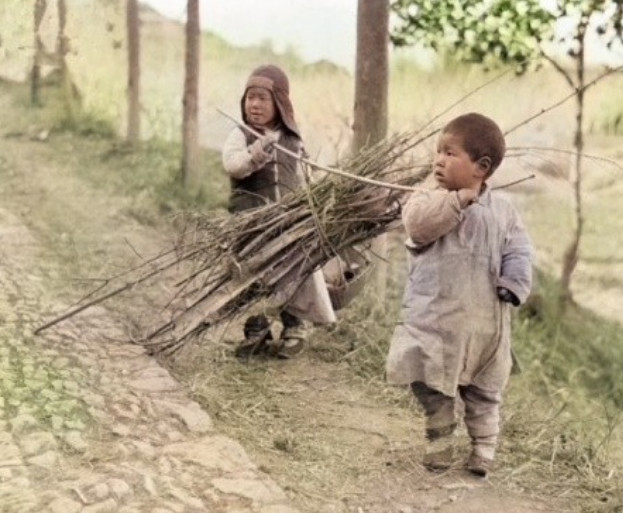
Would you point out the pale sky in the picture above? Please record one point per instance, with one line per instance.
(316, 29)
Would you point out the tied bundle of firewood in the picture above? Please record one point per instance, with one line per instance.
(219, 267)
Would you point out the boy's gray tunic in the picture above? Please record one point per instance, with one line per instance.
(454, 330)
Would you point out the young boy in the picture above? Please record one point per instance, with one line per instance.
(469, 259)
(259, 175)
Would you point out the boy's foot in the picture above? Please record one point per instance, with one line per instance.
(252, 346)
(439, 461)
(256, 336)
(291, 342)
(478, 465)
(291, 347)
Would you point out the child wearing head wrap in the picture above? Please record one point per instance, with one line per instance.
(259, 174)
(470, 258)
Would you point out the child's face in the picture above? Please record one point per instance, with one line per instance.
(453, 167)
(259, 107)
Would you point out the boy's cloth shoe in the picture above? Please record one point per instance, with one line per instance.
(439, 454)
(439, 461)
(256, 336)
(478, 465)
(253, 345)
(291, 342)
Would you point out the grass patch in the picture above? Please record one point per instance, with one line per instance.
(149, 173)
(563, 424)
(152, 174)
(86, 124)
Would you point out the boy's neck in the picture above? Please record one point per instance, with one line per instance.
(271, 127)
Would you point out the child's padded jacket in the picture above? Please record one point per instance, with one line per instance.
(453, 329)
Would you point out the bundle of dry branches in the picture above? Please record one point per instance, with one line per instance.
(222, 266)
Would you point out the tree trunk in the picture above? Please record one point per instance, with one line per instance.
(62, 48)
(190, 123)
(134, 72)
(35, 74)
(371, 97)
(371, 73)
(572, 252)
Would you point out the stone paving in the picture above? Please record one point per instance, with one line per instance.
(91, 424)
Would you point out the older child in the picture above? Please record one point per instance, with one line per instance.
(259, 174)
(469, 259)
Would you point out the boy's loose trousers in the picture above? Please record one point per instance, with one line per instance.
(481, 417)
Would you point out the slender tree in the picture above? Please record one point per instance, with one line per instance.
(40, 7)
(371, 96)
(190, 123)
(62, 49)
(519, 32)
(583, 13)
(134, 72)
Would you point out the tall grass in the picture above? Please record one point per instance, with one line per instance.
(563, 420)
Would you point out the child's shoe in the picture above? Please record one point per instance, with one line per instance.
(479, 465)
(438, 461)
(256, 336)
(291, 342)
(439, 455)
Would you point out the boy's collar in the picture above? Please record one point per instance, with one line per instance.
(484, 198)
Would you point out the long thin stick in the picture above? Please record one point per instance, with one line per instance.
(99, 299)
(344, 173)
(80, 308)
(318, 166)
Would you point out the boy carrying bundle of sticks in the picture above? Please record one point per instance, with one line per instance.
(470, 258)
(259, 175)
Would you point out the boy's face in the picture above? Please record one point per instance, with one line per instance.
(453, 167)
(259, 107)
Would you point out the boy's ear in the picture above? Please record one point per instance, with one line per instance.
(484, 164)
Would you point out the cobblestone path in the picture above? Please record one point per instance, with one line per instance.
(91, 424)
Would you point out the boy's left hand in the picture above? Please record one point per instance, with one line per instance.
(507, 296)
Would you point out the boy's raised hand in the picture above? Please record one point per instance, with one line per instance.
(269, 139)
(262, 148)
(467, 196)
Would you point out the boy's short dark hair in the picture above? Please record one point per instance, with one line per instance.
(481, 136)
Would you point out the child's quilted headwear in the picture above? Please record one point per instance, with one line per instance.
(275, 80)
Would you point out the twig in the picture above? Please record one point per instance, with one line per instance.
(134, 250)
(80, 308)
(325, 168)
(99, 299)
(465, 97)
(530, 177)
(559, 68)
(568, 152)
(563, 100)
